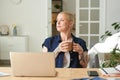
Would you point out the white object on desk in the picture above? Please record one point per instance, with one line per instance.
(111, 71)
(3, 74)
(106, 47)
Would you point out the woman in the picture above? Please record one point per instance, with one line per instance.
(70, 51)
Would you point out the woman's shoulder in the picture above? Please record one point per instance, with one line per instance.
(52, 38)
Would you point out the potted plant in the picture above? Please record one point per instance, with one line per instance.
(57, 6)
(116, 26)
(114, 58)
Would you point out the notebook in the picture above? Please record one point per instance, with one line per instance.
(32, 64)
(111, 71)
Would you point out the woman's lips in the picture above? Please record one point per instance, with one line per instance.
(58, 26)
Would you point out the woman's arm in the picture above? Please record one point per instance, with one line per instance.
(56, 51)
(84, 59)
(44, 49)
(83, 56)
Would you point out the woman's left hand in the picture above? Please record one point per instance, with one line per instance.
(77, 48)
(82, 55)
(84, 60)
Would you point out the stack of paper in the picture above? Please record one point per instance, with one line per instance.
(3, 74)
(111, 71)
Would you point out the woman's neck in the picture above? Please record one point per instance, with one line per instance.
(65, 37)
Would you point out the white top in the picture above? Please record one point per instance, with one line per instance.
(66, 57)
(66, 60)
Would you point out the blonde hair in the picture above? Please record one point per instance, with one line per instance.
(70, 16)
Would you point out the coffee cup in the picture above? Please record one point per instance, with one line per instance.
(70, 45)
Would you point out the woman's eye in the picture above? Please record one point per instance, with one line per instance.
(61, 20)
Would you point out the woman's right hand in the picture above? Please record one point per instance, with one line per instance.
(65, 46)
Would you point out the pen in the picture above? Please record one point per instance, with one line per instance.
(104, 70)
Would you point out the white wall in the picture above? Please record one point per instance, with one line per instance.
(30, 17)
(69, 5)
(112, 13)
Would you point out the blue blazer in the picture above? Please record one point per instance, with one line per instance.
(52, 43)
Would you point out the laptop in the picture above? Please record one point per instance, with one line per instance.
(32, 64)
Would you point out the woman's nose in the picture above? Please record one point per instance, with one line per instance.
(58, 22)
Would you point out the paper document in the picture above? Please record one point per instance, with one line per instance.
(111, 71)
(118, 67)
(3, 74)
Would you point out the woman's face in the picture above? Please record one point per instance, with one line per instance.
(63, 23)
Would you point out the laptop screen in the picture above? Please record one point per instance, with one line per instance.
(32, 64)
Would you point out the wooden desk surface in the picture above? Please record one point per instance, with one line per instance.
(63, 74)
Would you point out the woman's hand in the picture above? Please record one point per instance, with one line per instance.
(77, 48)
(82, 55)
(66, 46)
(84, 60)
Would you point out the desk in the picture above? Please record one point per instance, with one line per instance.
(63, 74)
